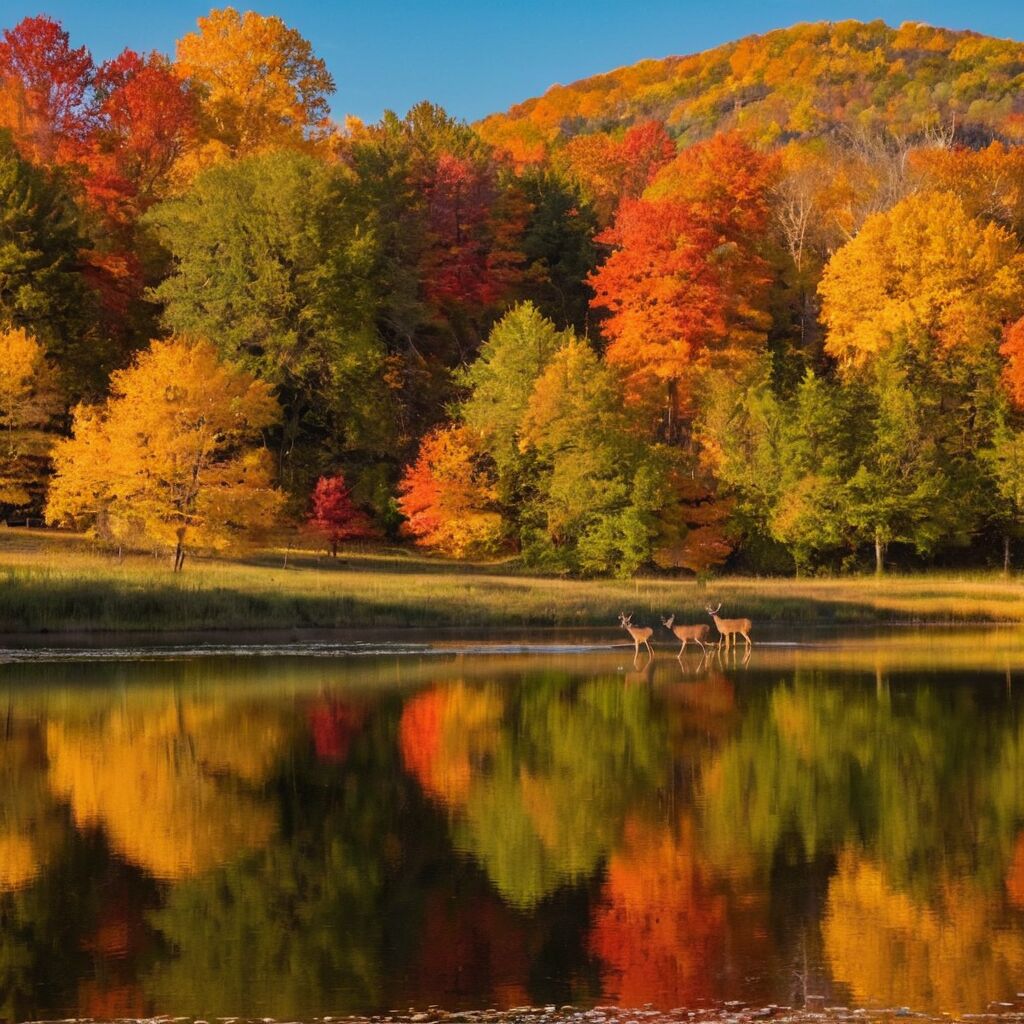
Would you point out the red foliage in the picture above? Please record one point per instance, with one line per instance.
(643, 151)
(49, 81)
(687, 281)
(336, 516)
(1013, 373)
(146, 116)
(334, 724)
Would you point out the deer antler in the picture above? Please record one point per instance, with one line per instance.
(667, 623)
(714, 611)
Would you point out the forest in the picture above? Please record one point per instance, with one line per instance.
(760, 309)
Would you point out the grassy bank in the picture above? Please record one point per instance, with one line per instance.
(57, 582)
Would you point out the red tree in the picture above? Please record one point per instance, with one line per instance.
(687, 283)
(146, 115)
(45, 85)
(336, 516)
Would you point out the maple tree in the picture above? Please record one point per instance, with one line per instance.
(169, 457)
(146, 118)
(46, 90)
(612, 169)
(335, 516)
(448, 498)
(686, 282)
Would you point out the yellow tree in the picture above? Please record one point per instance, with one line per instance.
(262, 86)
(29, 400)
(171, 456)
(925, 273)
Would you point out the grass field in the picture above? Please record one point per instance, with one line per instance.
(51, 582)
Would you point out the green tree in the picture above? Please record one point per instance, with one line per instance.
(558, 245)
(598, 492)
(272, 264)
(41, 287)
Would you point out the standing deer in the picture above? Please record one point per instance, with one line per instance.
(728, 628)
(698, 634)
(640, 634)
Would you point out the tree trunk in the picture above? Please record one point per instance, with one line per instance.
(1006, 555)
(179, 552)
(879, 555)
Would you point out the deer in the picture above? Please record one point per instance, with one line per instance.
(728, 628)
(698, 634)
(640, 634)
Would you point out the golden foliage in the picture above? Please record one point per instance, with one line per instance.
(29, 399)
(167, 788)
(168, 457)
(448, 498)
(260, 83)
(924, 273)
(893, 950)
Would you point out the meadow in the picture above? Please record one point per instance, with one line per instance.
(59, 582)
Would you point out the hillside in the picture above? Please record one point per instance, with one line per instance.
(807, 80)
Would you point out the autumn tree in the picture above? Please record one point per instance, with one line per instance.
(989, 181)
(446, 220)
(29, 400)
(272, 264)
(261, 86)
(170, 457)
(915, 308)
(45, 87)
(612, 169)
(448, 496)
(146, 117)
(335, 515)
(686, 283)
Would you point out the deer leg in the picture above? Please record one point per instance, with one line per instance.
(747, 638)
(701, 642)
(647, 644)
(681, 649)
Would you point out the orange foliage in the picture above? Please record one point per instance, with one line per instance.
(615, 169)
(1013, 373)
(686, 284)
(989, 182)
(446, 496)
(661, 923)
(797, 81)
(443, 732)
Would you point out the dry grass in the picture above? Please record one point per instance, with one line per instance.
(57, 582)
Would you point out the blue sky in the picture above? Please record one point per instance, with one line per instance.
(482, 56)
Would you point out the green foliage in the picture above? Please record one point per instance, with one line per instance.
(273, 267)
(41, 287)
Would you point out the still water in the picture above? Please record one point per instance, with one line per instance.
(353, 830)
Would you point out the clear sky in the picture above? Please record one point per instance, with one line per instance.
(477, 56)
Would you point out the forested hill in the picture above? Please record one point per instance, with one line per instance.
(807, 80)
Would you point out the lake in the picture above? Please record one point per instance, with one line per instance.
(355, 828)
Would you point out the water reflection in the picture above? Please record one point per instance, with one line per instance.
(297, 838)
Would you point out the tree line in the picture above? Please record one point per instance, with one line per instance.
(221, 312)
